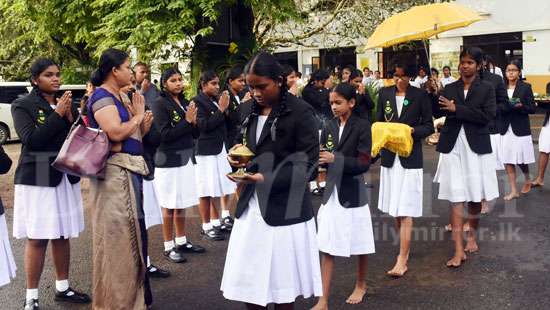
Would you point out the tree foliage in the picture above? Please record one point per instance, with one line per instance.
(75, 32)
(327, 23)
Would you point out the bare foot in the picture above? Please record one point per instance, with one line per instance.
(357, 295)
(511, 196)
(526, 187)
(471, 246)
(484, 207)
(400, 267)
(456, 261)
(465, 227)
(322, 304)
(537, 183)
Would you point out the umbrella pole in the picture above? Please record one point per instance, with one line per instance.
(427, 55)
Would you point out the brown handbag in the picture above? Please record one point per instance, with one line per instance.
(84, 152)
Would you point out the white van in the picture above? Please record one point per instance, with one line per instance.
(9, 91)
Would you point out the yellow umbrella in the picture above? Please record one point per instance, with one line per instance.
(421, 23)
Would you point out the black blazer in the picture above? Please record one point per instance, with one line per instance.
(318, 99)
(232, 120)
(496, 125)
(519, 118)
(417, 114)
(473, 112)
(351, 160)
(287, 164)
(363, 106)
(151, 141)
(5, 165)
(175, 133)
(211, 123)
(42, 133)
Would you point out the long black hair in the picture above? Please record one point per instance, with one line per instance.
(38, 66)
(165, 76)
(111, 58)
(264, 64)
(476, 54)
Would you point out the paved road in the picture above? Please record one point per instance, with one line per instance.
(510, 272)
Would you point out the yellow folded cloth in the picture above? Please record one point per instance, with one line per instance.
(394, 137)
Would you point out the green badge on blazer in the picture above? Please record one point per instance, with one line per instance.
(41, 117)
(330, 143)
(406, 102)
(388, 108)
(175, 117)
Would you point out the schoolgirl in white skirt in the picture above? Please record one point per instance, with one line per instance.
(272, 255)
(47, 203)
(401, 179)
(466, 171)
(212, 166)
(175, 180)
(345, 225)
(518, 146)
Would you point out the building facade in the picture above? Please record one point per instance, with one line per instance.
(511, 30)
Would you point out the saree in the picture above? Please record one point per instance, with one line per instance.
(119, 237)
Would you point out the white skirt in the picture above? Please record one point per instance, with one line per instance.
(211, 175)
(177, 186)
(7, 263)
(41, 212)
(401, 190)
(270, 264)
(151, 208)
(496, 146)
(517, 150)
(544, 139)
(465, 176)
(344, 231)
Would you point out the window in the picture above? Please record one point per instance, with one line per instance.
(9, 93)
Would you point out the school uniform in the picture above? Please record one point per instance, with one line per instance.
(544, 136)
(273, 255)
(344, 220)
(233, 120)
(47, 202)
(212, 165)
(467, 168)
(175, 178)
(151, 207)
(496, 125)
(364, 106)
(7, 262)
(401, 179)
(517, 142)
(318, 98)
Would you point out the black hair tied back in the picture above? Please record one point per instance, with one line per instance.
(38, 66)
(111, 58)
(264, 64)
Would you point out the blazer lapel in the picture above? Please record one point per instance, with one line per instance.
(390, 106)
(460, 90)
(346, 132)
(251, 134)
(266, 130)
(473, 89)
(406, 103)
(517, 90)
